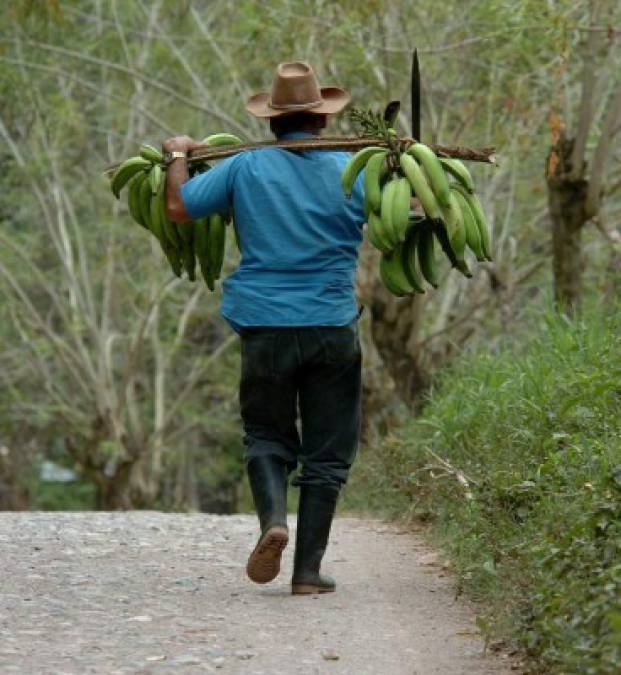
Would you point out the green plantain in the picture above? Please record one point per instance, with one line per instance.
(157, 227)
(375, 171)
(217, 241)
(434, 171)
(375, 231)
(355, 165)
(202, 250)
(188, 257)
(420, 186)
(221, 139)
(479, 216)
(426, 256)
(128, 169)
(401, 208)
(156, 177)
(134, 199)
(409, 261)
(473, 239)
(392, 273)
(152, 154)
(458, 169)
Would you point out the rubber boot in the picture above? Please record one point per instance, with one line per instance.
(315, 513)
(268, 482)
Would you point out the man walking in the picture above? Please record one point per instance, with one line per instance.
(292, 302)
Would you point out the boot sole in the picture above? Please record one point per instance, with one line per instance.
(309, 589)
(264, 562)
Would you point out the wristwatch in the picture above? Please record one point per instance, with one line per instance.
(175, 154)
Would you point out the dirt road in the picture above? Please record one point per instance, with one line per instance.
(146, 592)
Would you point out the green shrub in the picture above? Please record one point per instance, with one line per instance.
(517, 458)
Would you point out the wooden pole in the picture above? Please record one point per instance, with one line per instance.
(207, 152)
(343, 143)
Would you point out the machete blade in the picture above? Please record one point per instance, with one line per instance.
(415, 92)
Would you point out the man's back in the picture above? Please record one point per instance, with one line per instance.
(299, 235)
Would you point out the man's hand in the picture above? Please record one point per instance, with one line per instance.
(180, 144)
(176, 175)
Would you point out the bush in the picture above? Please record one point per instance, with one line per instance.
(517, 459)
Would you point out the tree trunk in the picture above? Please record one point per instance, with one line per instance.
(395, 327)
(567, 204)
(124, 487)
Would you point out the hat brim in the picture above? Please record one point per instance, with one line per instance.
(333, 100)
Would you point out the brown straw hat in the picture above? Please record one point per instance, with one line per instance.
(295, 89)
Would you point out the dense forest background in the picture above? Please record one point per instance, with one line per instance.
(127, 376)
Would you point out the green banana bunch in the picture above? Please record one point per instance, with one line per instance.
(183, 244)
(453, 214)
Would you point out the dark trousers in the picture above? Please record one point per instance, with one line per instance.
(315, 371)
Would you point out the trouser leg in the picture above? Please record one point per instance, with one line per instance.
(268, 408)
(330, 398)
(330, 395)
(268, 397)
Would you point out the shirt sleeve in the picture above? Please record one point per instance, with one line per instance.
(211, 191)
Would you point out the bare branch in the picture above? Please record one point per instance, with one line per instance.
(602, 153)
(58, 72)
(193, 380)
(156, 84)
(585, 117)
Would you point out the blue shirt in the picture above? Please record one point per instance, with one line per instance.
(299, 235)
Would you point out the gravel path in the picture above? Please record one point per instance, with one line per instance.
(145, 592)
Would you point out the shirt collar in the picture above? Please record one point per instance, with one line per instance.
(297, 134)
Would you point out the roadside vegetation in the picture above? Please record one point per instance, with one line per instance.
(516, 463)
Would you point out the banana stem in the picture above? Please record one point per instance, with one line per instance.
(200, 154)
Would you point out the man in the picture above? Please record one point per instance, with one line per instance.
(292, 302)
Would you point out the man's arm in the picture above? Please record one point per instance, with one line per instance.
(176, 175)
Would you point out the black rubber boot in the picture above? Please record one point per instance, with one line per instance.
(268, 482)
(315, 513)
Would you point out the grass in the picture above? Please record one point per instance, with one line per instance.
(516, 463)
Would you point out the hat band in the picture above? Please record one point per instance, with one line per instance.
(295, 106)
